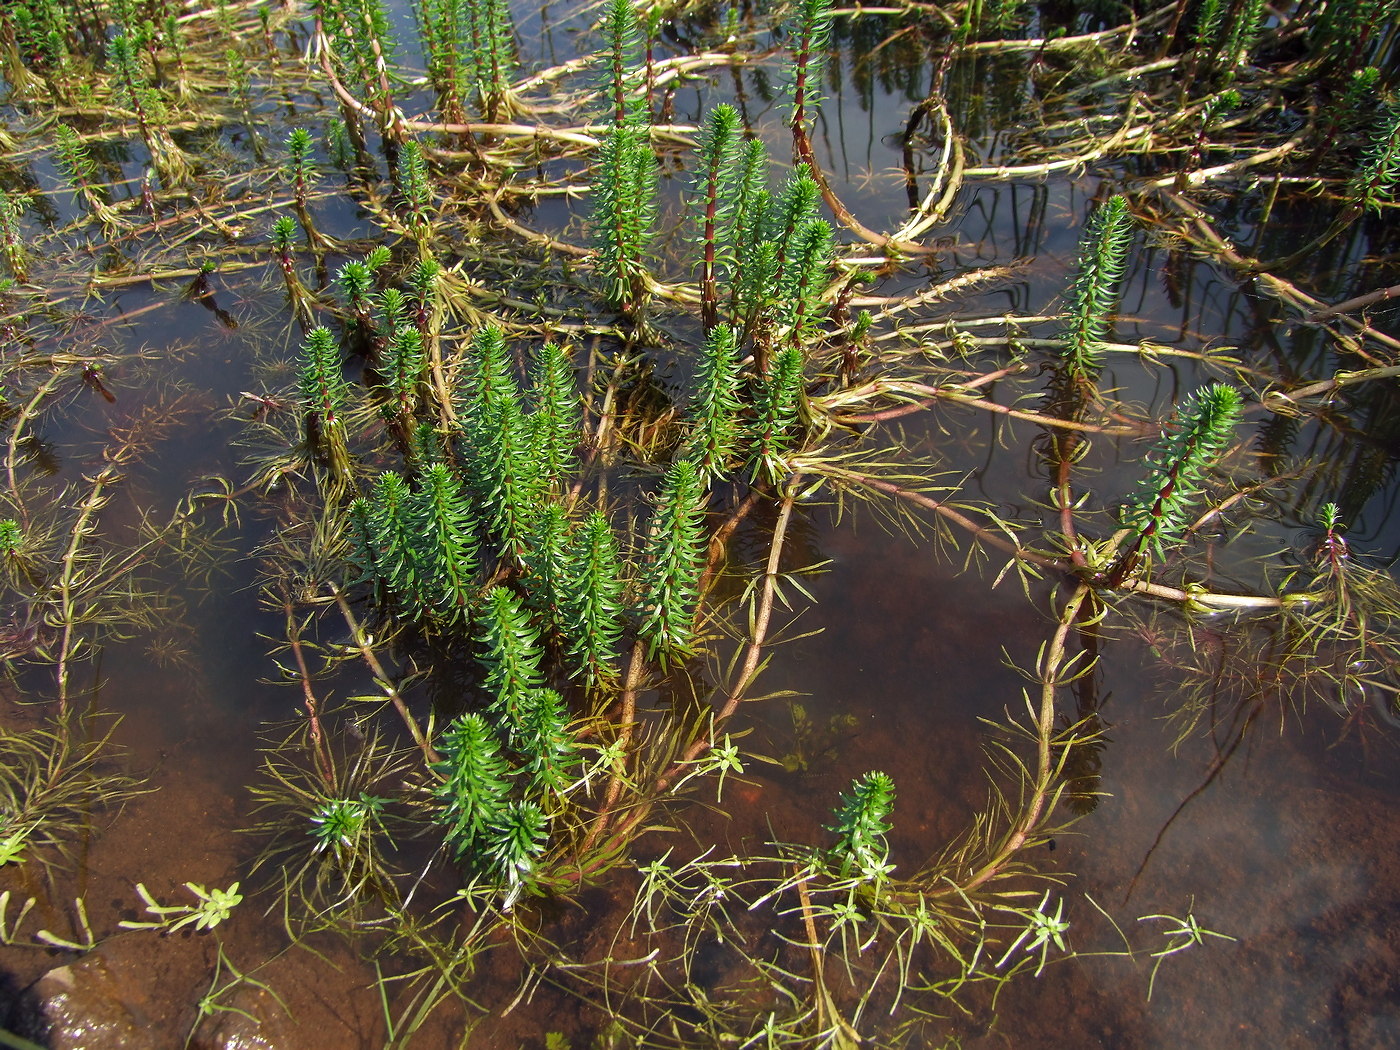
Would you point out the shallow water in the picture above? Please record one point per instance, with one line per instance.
(1277, 835)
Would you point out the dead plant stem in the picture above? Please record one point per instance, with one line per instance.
(382, 679)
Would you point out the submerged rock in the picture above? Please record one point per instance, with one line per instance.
(132, 992)
(252, 1019)
(86, 1006)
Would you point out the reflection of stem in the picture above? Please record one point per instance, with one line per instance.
(960, 394)
(1207, 237)
(1358, 303)
(1327, 386)
(1217, 767)
(761, 617)
(1047, 768)
(802, 146)
(886, 414)
(1064, 498)
(1068, 398)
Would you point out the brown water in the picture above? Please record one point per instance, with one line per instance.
(1275, 825)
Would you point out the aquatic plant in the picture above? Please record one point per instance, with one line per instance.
(301, 173)
(444, 531)
(342, 824)
(1093, 295)
(299, 297)
(624, 207)
(415, 189)
(777, 404)
(782, 261)
(1348, 36)
(620, 59)
(547, 567)
(498, 443)
(131, 88)
(808, 32)
(518, 835)
(671, 564)
(423, 280)
(861, 825)
(52, 778)
(549, 749)
(357, 285)
(592, 602)
(1378, 174)
(324, 824)
(511, 654)
(389, 541)
(11, 539)
(1044, 930)
(574, 533)
(324, 394)
(1178, 465)
(212, 907)
(475, 787)
(718, 153)
(75, 158)
(492, 53)
(715, 405)
(12, 236)
(554, 422)
(403, 367)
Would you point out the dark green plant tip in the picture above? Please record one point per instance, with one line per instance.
(11, 537)
(862, 821)
(512, 654)
(475, 785)
(808, 33)
(778, 403)
(1378, 175)
(74, 155)
(1160, 511)
(340, 824)
(517, 837)
(284, 232)
(446, 532)
(621, 55)
(624, 212)
(715, 406)
(356, 282)
(1093, 294)
(323, 387)
(549, 752)
(299, 149)
(555, 421)
(396, 548)
(423, 275)
(672, 562)
(414, 181)
(593, 608)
